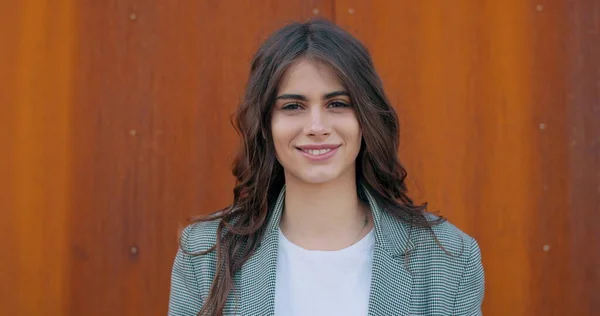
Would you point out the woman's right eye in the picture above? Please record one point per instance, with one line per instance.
(291, 106)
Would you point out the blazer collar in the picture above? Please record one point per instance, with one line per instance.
(391, 282)
(257, 278)
(390, 234)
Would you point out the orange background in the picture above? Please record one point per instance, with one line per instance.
(114, 128)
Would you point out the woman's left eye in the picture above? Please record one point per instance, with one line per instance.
(338, 104)
(291, 106)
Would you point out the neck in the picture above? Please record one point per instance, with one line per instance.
(324, 216)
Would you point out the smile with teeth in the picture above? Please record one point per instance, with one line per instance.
(316, 152)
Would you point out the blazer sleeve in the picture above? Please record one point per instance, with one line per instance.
(469, 297)
(184, 298)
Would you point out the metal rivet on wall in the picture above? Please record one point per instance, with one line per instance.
(546, 248)
(351, 11)
(132, 132)
(132, 16)
(315, 11)
(539, 7)
(542, 126)
(133, 250)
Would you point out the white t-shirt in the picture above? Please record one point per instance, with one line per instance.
(311, 282)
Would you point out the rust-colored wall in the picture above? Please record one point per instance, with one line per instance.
(36, 84)
(114, 127)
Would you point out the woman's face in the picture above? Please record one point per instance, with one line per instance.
(316, 133)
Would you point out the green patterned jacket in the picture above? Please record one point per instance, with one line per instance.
(412, 275)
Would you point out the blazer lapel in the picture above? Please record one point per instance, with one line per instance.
(257, 278)
(391, 286)
(391, 282)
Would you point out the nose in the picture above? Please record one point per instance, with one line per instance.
(319, 124)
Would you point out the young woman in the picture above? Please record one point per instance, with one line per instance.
(321, 223)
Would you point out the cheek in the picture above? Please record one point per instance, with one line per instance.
(282, 132)
(276, 128)
(352, 132)
(357, 139)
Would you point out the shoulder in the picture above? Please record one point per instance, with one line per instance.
(455, 262)
(193, 268)
(444, 236)
(446, 260)
(445, 263)
(452, 238)
(199, 236)
(442, 249)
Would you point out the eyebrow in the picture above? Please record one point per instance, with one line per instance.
(300, 97)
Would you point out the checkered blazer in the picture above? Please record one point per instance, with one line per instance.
(412, 275)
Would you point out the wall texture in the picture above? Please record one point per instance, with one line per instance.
(114, 128)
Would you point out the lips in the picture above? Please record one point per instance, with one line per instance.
(318, 152)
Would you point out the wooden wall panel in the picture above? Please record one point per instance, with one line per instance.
(8, 70)
(156, 86)
(497, 127)
(551, 213)
(582, 45)
(37, 90)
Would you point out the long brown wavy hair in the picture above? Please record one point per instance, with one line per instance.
(259, 176)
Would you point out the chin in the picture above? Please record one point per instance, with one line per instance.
(317, 177)
(316, 180)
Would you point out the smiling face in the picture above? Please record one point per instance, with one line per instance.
(314, 127)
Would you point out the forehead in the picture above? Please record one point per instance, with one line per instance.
(306, 76)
